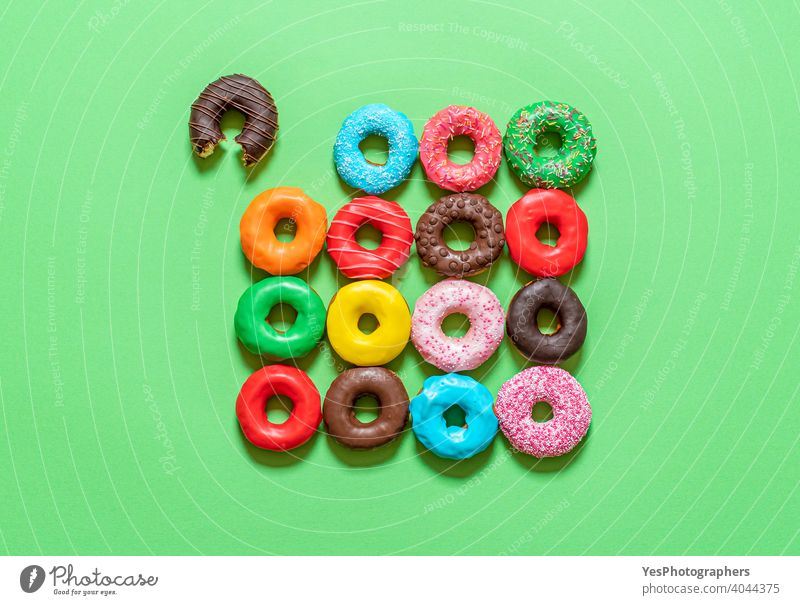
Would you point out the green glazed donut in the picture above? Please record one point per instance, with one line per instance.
(261, 338)
(574, 158)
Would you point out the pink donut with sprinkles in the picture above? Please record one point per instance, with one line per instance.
(571, 411)
(454, 121)
(454, 354)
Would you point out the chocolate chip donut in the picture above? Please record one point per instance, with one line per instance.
(522, 327)
(243, 94)
(472, 208)
(339, 414)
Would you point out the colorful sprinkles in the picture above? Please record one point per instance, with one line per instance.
(571, 411)
(574, 158)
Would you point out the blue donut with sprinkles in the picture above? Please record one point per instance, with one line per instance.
(455, 442)
(353, 167)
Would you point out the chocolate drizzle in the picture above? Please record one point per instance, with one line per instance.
(243, 94)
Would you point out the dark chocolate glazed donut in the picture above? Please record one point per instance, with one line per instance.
(472, 208)
(339, 414)
(523, 329)
(245, 95)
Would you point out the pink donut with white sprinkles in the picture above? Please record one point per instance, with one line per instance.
(486, 321)
(453, 121)
(571, 411)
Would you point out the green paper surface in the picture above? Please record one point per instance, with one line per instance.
(122, 270)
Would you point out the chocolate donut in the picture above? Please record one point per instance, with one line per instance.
(468, 207)
(242, 94)
(523, 329)
(339, 414)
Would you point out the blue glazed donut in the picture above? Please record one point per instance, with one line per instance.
(353, 167)
(456, 442)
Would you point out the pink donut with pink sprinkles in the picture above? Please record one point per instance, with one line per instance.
(571, 411)
(454, 121)
(486, 321)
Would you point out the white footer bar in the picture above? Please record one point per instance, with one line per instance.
(406, 580)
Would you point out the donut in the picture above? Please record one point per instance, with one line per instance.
(245, 95)
(530, 212)
(259, 337)
(486, 321)
(353, 167)
(257, 230)
(357, 262)
(485, 219)
(338, 409)
(387, 340)
(574, 158)
(455, 442)
(451, 122)
(522, 327)
(284, 381)
(571, 411)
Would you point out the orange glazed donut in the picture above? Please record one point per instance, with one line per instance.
(257, 230)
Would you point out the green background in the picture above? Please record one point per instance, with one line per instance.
(122, 269)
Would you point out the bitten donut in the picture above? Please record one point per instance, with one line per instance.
(572, 161)
(357, 262)
(472, 208)
(245, 95)
(523, 329)
(350, 162)
(528, 214)
(257, 230)
(451, 122)
(486, 323)
(278, 380)
(338, 409)
(438, 394)
(389, 308)
(571, 411)
(261, 338)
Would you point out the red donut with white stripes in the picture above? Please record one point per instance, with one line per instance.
(357, 262)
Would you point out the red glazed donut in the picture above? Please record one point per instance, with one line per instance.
(355, 261)
(454, 121)
(278, 380)
(523, 220)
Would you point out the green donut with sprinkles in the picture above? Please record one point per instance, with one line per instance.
(572, 161)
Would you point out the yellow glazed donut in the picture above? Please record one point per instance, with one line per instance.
(389, 308)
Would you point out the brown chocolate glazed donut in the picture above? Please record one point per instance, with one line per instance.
(523, 329)
(245, 95)
(339, 414)
(468, 207)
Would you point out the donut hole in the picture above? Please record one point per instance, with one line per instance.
(460, 149)
(548, 234)
(547, 321)
(368, 237)
(459, 235)
(278, 408)
(541, 412)
(375, 149)
(455, 325)
(366, 408)
(455, 416)
(548, 144)
(285, 230)
(231, 124)
(368, 323)
(281, 317)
